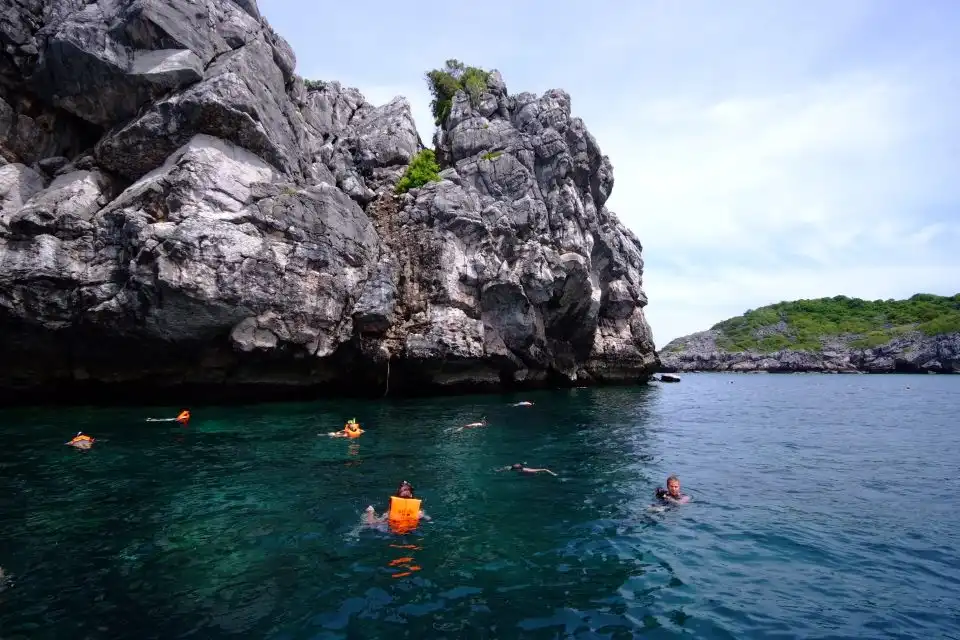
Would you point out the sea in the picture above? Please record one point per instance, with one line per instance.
(822, 506)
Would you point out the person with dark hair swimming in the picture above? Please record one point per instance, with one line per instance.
(519, 468)
(404, 513)
(672, 494)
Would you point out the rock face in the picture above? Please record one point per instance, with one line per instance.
(910, 353)
(179, 213)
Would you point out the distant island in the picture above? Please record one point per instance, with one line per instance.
(828, 335)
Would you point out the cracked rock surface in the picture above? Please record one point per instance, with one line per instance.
(178, 211)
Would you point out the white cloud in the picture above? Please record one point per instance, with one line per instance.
(755, 199)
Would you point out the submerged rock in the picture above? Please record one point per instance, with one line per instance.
(179, 211)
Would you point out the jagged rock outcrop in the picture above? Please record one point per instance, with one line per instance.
(913, 352)
(179, 211)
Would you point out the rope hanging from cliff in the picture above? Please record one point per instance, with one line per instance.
(387, 390)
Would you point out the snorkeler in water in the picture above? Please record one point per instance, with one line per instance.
(519, 468)
(350, 430)
(81, 441)
(473, 425)
(672, 494)
(183, 418)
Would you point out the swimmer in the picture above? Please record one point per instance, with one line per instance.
(528, 470)
(183, 418)
(81, 441)
(473, 425)
(404, 492)
(524, 403)
(672, 494)
(350, 430)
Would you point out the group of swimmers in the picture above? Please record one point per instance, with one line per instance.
(85, 441)
(405, 512)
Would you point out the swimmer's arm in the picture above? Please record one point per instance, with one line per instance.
(544, 471)
(424, 516)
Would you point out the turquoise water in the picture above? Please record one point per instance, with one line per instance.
(824, 506)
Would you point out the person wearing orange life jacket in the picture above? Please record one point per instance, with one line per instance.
(404, 513)
(81, 441)
(350, 430)
(183, 418)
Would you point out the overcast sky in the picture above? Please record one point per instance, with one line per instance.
(763, 150)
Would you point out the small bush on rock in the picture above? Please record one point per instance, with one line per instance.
(423, 168)
(455, 76)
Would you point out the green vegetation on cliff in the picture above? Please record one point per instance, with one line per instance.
(423, 168)
(801, 324)
(444, 84)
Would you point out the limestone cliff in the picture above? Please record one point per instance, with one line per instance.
(178, 211)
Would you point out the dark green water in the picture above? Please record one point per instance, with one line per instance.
(824, 506)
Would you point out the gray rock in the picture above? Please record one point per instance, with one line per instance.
(912, 352)
(242, 99)
(517, 250)
(66, 208)
(87, 70)
(250, 6)
(18, 183)
(31, 131)
(211, 222)
(54, 164)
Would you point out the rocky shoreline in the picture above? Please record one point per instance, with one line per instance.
(912, 352)
(180, 214)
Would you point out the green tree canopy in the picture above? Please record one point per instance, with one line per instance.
(446, 82)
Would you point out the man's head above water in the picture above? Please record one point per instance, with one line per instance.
(673, 486)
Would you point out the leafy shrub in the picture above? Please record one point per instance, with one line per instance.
(423, 168)
(314, 85)
(492, 155)
(445, 83)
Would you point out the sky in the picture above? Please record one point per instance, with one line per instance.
(763, 150)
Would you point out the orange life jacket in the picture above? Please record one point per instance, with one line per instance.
(352, 429)
(404, 514)
(184, 417)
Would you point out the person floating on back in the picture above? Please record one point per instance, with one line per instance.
(81, 441)
(672, 494)
(404, 513)
(519, 468)
(350, 430)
